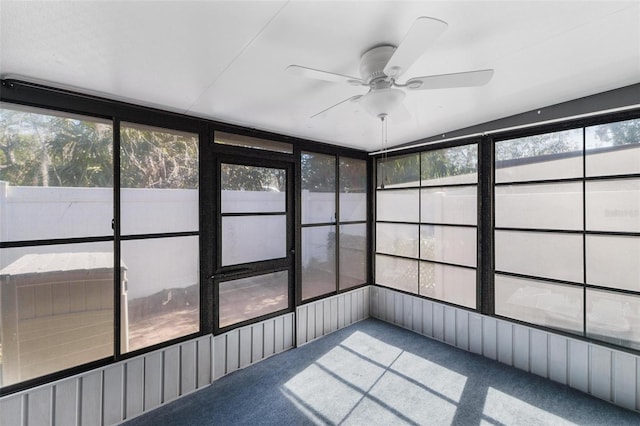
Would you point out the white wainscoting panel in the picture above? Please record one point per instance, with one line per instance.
(114, 393)
(319, 318)
(247, 345)
(604, 372)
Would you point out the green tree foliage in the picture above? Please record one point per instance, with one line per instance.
(250, 178)
(318, 172)
(80, 153)
(447, 162)
(158, 159)
(46, 150)
(20, 145)
(540, 145)
(353, 175)
(404, 169)
(616, 134)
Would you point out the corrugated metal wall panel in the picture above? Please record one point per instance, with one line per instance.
(188, 367)
(113, 393)
(490, 338)
(113, 401)
(247, 345)
(91, 398)
(450, 325)
(246, 348)
(579, 365)
(66, 402)
(505, 342)
(600, 370)
(125, 390)
(204, 373)
(40, 407)
(462, 329)
(324, 316)
(11, 409)
(521, 347)
(152, 380)
(134, 371)
(475, 333)
(624, 380)
(233, 351)
(171, 367)
(603, 372)
(558, 358)
(539, 353)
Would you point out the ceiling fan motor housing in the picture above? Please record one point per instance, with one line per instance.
(373, 61)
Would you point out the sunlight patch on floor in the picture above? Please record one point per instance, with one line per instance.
(366, 379)
(505, 409)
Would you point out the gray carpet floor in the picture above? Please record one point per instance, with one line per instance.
(374, 373)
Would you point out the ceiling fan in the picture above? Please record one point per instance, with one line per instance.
(382, 65)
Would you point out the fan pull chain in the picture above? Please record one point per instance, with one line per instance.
(383, 120)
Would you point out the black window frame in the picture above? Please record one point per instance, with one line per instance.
(481, 195)
(486, 209)
(337, 154)
(55, 99)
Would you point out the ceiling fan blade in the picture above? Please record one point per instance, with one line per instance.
(351, 99)
(447, 81)
(422, 33)
(300, 71)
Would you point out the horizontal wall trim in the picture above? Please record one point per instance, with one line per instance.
(571, 283)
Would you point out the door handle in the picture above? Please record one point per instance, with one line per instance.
(230, 272)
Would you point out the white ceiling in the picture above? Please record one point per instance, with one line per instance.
(226, 60)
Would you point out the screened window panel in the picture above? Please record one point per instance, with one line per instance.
(613, 205)
(148, 211)
(353, 255)
(547, 156)
(613, 148)
(398, 273)
(613, 261)
(398, 171)
(452, 284)
(57, 308)
(450, 244)
(163, 297)
(614, 317)
(253, 238)
(318, 261)
(318, 188)
(159, 179)
(454, 205)
(353, 189)
(253, 297)
(539, 206)
(449, 166)
(56, 175)
(397, 239)
(251, 189)
(398, 205)
(541, 254)
(538, 302)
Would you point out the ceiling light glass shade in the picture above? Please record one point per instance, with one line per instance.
(382, 101)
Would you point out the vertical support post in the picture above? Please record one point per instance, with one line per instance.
(485, 283)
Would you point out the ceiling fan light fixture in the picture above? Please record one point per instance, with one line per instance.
(383, 101)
